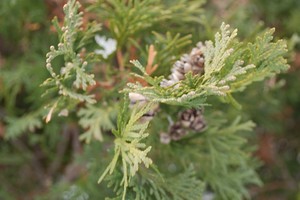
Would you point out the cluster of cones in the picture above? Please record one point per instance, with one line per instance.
(190, 119)
(193, 62)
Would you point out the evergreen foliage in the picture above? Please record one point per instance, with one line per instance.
(266, 56)
(18, 126)
(180, 187)
(167, 48)
(227, 158)
(96, 120)
(122, 146)
(74, 67)
(230, 65)
(222, 69)
(129, 18)
(128, 143)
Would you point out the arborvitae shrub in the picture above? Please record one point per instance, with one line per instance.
(149, 102)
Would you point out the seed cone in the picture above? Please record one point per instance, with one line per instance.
(188, 120)
(177, 132)
(193, 62)
(192, 119)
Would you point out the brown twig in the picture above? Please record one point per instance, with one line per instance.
(76, 145)
(35, 163)
(150, 68)
(60, 151)
(132, 52)
(73, 170)
(268, 188)
(120, 60)
(290, 182)
(70, 134)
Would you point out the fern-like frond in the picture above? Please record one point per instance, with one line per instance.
(149, 185)
(216, 54)
(129, 147)
(128, 18)
(29, 122)
(185, 11)
(168, 48)
(95, 120)
(185, 186)
(229, 66)
(229, 167)
(72, 78)
(267, 56)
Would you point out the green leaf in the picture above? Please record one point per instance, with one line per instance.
(128, 144)
(148, 185)
(74, 69)
(224, 72)
(226, 165)
(267, 56)
(29, 122)
(216, 54)
(95, 120)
